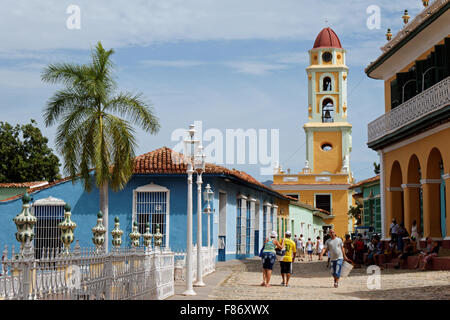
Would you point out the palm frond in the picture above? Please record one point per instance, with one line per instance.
(123, 150)
(133, 107)
(63, 102)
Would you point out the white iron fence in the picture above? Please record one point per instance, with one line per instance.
(208, 262)
(86, 274)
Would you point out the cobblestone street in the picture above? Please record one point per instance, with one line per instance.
(312, 280)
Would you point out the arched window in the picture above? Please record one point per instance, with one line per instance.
(327, 84)
(327, 111)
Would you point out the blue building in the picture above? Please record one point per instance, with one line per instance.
(243, 214)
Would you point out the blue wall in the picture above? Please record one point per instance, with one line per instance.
(86, 205)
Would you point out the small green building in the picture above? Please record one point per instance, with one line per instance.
(367, 193)
(307, 220)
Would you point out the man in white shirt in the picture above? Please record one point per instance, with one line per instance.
(335, 247)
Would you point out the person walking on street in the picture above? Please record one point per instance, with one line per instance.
(309, 248)
(319, 247)
(335, 247)
(268, 257)
(301, 247)
(348, 246)
(288, 258)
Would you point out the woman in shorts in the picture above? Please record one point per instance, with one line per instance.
(310, 248)
(268, 257)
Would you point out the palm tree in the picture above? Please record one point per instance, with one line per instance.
(91, 132)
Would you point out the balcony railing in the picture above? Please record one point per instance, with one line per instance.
(423, 104)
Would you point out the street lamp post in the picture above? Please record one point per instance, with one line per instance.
(208, 197)
(199, 166)
(190, 143)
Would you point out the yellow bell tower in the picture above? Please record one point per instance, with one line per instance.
(326, 176)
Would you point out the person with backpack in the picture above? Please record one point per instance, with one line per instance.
(268, 257)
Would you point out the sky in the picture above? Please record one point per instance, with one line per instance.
(228, 63)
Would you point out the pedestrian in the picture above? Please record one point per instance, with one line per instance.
(309, 248)
(325, 238)
(415, 234)
(393, 230)
(401, 233)
(319, 247)
(359, 251)
(335, 247)
(348, 245)
(301, 247)
(268, 257)
(288, 258)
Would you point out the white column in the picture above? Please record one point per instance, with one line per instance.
(199, 282)
(383, 197)
(252, 224)
(189, 288)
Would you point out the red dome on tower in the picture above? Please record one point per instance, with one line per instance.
(327, 38)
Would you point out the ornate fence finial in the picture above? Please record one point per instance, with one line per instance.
(406, 17)
(67, 226)
(135, 235)
(99, 232)
(25, 222)
(158, 237)
(116, 233)
(147, 236)
(388, 35)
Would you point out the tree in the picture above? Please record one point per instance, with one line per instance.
(91, 133)
(376, 168)
(25, 154)
(356, 212)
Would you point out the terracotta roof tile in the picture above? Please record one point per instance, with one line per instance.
(166, 161)
(22, 184)
(360, 183)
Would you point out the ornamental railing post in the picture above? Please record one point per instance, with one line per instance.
(109, 274)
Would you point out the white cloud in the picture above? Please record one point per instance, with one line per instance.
(41, 25)
(171, 63)
(254, 68)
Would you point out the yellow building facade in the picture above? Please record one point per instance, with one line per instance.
(326, 176)
(412, 136)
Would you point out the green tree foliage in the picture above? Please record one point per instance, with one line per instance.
(25, 155)
(356, 212)
(94, 121)
(376, 168)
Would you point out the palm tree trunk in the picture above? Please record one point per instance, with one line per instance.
(104, 210)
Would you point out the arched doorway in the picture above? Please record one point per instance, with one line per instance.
(413, 198)
(434, 197)
(396, 194)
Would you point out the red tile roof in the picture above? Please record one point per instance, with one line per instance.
(22, 184)
(360, 183)
(327, 38)
(165, 160)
